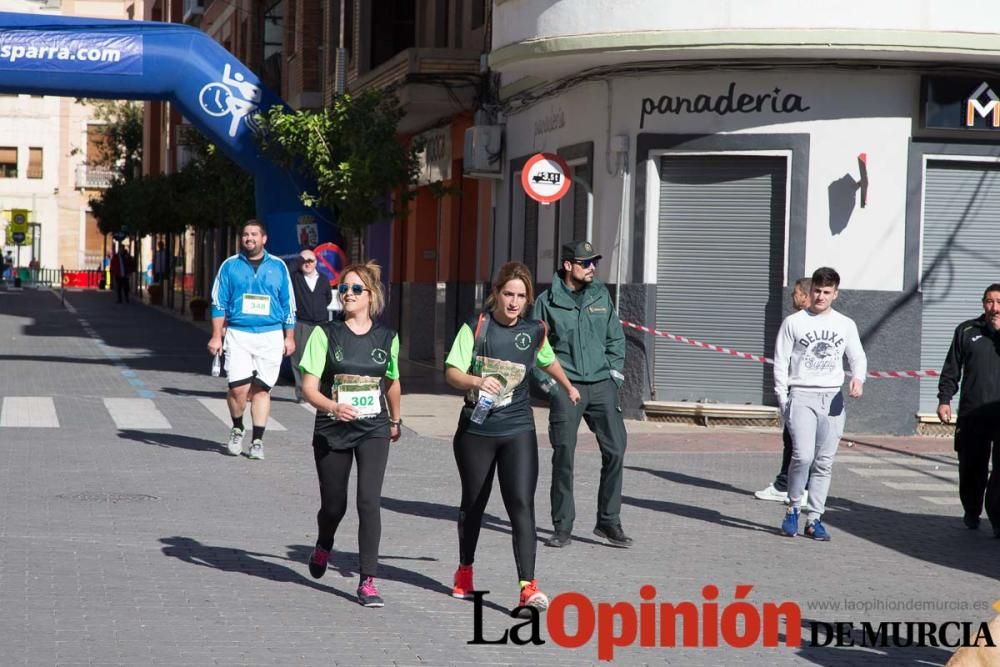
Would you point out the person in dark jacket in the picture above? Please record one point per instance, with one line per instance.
(973, 362)
(122, 268)
(313, 297)
(587, 338)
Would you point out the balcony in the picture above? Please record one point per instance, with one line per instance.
(93, 178)
(551, 38)
(193, 10)
(431, 84)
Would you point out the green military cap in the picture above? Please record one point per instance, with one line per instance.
(577, 250)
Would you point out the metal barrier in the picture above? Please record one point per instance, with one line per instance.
(56, 278)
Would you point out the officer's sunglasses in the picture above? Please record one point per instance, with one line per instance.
(357, 289)
(586, 263)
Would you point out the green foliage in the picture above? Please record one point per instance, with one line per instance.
(211, 191)
(121, 150)
(350, 151)
(218, 192)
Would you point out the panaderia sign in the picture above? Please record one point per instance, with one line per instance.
(733, 100)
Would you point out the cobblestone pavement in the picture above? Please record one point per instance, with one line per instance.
(128, 537)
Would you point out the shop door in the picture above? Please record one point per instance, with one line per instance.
(720, 270)
(958, 259)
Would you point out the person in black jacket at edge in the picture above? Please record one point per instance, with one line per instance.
(974, 361)
(313, 297)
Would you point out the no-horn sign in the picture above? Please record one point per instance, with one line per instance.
(545, 177)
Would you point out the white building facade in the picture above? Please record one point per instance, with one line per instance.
(722, 150)
(45, 144)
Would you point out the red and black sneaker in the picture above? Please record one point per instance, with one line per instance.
(317, 562)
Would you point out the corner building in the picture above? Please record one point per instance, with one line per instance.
(719, 152)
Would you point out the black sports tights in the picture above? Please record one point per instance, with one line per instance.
(334, 469)
(515, 458)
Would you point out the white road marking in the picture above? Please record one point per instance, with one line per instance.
(893, 460)
(29, 412)
(921, 486)
(898, 472)
(136, 413)
(942, 500)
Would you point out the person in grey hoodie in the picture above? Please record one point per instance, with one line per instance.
(808, 376)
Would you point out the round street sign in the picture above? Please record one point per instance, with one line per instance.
(545, 177)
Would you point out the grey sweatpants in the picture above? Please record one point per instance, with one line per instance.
(816, 421)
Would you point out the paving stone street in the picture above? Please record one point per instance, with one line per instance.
(129, 537)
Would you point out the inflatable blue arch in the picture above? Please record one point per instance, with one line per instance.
(146, 60)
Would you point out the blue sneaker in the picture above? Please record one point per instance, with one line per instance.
(790, 526)
(815, 530)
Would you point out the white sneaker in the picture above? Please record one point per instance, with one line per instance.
(771, 493)
(256, 450)
(235, 444)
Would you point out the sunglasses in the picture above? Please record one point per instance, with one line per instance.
(357, 289)
(586, 263)
(308, 261)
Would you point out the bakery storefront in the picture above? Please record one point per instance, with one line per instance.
(709, 193)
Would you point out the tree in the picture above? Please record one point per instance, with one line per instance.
(218, 192)
(350, 151)
(211, 191)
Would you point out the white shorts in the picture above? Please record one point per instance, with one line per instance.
(254, 357)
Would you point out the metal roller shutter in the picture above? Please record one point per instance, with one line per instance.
(719, 275)
(961, 219)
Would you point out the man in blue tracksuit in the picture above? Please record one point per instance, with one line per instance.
(253, 305)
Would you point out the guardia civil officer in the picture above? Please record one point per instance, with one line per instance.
(587, 338)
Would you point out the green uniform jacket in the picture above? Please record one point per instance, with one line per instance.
(587, 337)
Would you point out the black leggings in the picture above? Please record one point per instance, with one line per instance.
(334, 469)
(515, 457)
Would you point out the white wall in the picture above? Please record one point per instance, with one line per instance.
(522, 20)
(32, 122)
(849, 113)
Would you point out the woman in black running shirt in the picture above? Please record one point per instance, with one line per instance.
(351, 376)
(494, 354)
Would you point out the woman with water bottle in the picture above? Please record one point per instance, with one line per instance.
(491, 360)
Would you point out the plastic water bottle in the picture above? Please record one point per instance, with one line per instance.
(217, 365)
(482, 407)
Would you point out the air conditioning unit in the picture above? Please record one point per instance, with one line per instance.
(483, 156)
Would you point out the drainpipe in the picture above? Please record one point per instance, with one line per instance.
(340, 80)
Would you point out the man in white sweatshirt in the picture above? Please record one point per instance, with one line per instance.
(808, 376)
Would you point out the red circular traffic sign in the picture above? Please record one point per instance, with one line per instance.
(545, 177)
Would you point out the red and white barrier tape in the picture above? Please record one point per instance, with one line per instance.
(763, 359)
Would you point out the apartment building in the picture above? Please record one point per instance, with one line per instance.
(430, 53)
